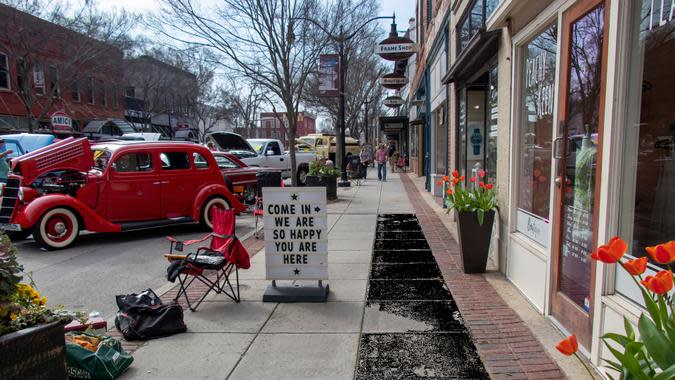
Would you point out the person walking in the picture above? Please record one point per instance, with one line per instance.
(364, 157)
(381, 159)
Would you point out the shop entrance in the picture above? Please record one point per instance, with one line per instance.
(577, 151)
(473, 119)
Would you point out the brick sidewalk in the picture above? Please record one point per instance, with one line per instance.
(195, 291)
(506, 345)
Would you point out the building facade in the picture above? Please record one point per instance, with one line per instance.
(273, 126)
(566, 104)
(47, 70)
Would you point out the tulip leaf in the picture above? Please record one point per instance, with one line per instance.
(628, 361)
(658, 346)
(663, 309)
(630, 333)
(622, 340)
(481, 216)
(652, 308)
(667, 374)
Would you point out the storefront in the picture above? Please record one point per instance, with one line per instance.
(592, 145)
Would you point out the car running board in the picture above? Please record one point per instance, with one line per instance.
(154, 223)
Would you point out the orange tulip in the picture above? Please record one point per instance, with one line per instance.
(446, 178)
(568, 346)
(636, 267)
(662, 253)
(611, 252)
(461, 178)
(455, 173)
(661, 283)
(449, 192)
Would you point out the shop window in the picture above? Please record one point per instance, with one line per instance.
(461, 131)
(441, 140)
(414, 141)
(491, 135)
(89, 90)
(474, 20)
(647, 214)
(4, 72)
(535, 135)
(39, 79)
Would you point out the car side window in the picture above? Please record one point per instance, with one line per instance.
(274, 147)
(133, 162)
(225, 163)
(200, 161)
(174, 161)
(319, 142)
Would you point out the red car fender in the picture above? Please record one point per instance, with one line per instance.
(31, 213)
(215, 189)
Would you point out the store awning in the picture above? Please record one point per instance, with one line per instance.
(482, 47)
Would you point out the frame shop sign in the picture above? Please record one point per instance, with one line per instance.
(296, 245)
(61, 122)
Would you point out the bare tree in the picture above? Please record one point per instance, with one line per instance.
(265, 41)
(244, 102)
(51, 61)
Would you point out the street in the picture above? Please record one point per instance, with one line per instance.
(88, 275)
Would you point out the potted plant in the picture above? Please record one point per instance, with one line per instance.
(323, 174)
(32, 340)
(649, 354)
(474, 208)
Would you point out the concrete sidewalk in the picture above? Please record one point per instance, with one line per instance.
(256, 340)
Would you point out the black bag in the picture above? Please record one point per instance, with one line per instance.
(148, 322)
(144, 298)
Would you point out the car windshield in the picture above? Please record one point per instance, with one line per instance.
(101, 158)
(16, 151)
(258, 147)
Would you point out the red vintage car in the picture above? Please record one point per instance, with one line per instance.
(57, 191)
(241, 179)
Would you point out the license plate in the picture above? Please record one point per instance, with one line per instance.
(10, 227)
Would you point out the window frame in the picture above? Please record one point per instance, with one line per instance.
(39, 68)
(7, 73)
(194, 161)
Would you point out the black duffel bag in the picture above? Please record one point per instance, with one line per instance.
(142, 316)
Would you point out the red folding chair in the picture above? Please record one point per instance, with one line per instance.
(213, 266)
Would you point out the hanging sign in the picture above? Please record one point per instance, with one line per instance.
(393, 101)
(329, 75)
(396, 48)
(393, 81)
(61, 122)
(296, 244)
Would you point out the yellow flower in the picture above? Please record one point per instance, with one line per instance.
(12, 316)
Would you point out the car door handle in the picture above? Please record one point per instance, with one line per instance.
(281, 159)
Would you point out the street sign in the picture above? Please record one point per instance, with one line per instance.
(329, 75)
(393, 101)
(296, 246)
(393, 81)
(61, 122)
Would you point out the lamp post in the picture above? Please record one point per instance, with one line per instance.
(341, 39)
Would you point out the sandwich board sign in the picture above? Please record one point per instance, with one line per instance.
(296, 242)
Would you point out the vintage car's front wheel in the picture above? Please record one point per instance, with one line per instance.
(206, 219)
(57, 228)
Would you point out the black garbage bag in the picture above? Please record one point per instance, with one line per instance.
(143, 316)
(144, 298)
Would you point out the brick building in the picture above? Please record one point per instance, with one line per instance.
(46, 68)
(271, 126)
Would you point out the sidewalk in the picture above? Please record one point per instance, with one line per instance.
(360, 332)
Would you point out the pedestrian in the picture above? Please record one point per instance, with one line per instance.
(364, 156)
(381, 159)
(4, 165)
(391, 152)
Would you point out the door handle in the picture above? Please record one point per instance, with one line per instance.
(558, 181)
(557, 148)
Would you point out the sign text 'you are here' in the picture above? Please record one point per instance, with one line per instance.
(296, 245)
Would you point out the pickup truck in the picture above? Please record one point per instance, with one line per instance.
(268, 153)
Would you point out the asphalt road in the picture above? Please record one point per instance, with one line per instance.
(88, 275)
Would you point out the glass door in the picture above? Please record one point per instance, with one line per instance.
(577, 151)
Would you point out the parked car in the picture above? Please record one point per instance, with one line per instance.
(69, 186)
(325, 145)
(240, 178)
(22, 143)
(268, 153)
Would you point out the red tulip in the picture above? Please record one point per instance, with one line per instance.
(461, 178)
(455, 181)
(455, 173)
(446, 178)
(662, 253)
(489, 186)
(636, 267)
(481, 184)
(568, 346)
(472, 179)
(439, 183)
(611, 252)
(481, 173)
(449, 192)
(661, 283)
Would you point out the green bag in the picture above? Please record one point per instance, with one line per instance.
(107, 363)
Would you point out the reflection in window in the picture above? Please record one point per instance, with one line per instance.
(200, 161)
(174, 161)
(536, 126)
(225, 163)
(474, 20)
(493, 109)
(461, 132)
(133, 162)
(648, 190)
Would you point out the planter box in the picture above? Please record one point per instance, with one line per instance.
(34, 353)
(330, 183)
(474, 240)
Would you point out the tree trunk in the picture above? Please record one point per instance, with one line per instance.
(291, 145)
